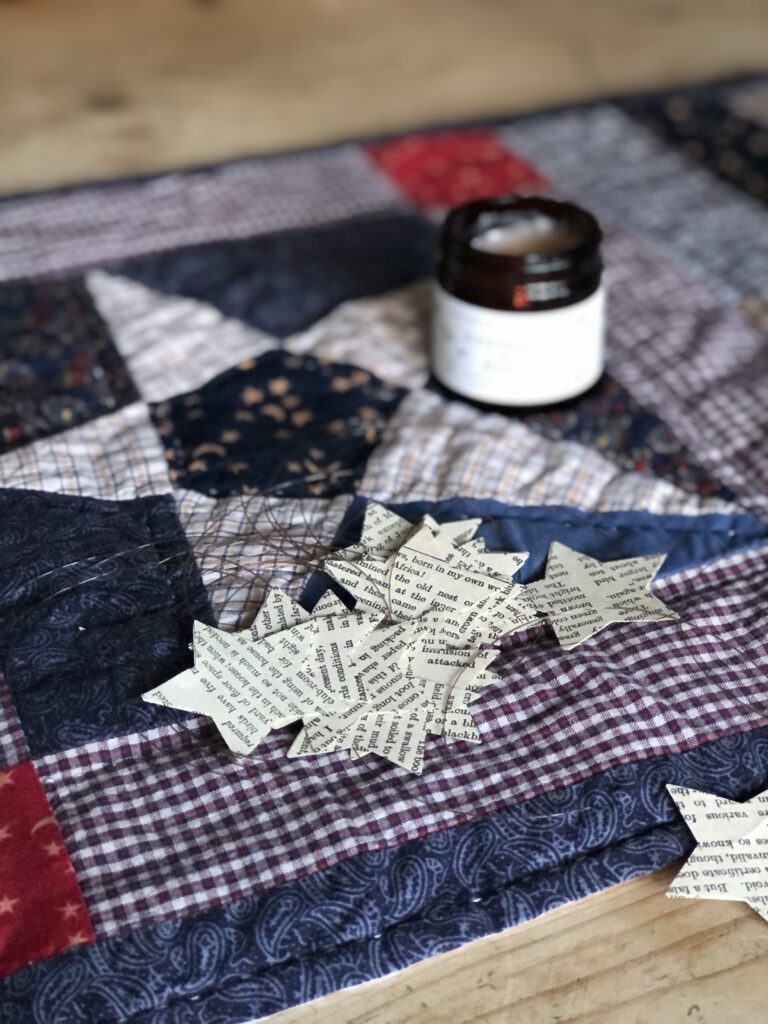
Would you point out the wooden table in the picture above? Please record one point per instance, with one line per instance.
(97, 88)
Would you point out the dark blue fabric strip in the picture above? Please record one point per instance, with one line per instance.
(378, 912)
(688, 540)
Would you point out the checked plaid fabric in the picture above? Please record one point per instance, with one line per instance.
(204, 377)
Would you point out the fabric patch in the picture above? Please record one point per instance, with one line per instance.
(41, 907)
(601, 157)
(115, 457)
(280, 425)
(384, 910)
(701, 124)
(283, 283)
(449, 168)
(171, 344)
(97, 600)
(609, 419)
(387, 334)
(79, 227)
(13, 745)
(243, 544)
(698, 364)
(435, 449)
(59, 365)
(749, 100)
(689, 541)
(630, 693)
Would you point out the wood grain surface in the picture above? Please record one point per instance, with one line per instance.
(628, 955)
(92, 89)
(97, 88)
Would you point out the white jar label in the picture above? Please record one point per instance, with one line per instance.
(517, 357)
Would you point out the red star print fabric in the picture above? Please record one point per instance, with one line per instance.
(42, 911)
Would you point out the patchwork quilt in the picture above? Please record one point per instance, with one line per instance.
(205, 376)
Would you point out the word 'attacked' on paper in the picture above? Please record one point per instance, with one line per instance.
(415, 652)
(730, 861)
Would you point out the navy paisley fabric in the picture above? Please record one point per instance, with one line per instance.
(381, 911)
(59, 367)
(97, 600)
(283, 283)
(281, 425)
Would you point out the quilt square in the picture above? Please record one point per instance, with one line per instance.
(97, 600)
(59, 366)
(447, 168)
(42, 910)
(280, 425)
(282, 283)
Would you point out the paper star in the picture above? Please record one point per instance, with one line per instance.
(582, 595)
(261, 679)
(411, 657)
(7, 905)
(729, 862)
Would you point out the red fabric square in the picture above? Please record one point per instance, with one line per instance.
(449, 168)
(42, 910)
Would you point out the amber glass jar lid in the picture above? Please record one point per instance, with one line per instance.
(520, 252)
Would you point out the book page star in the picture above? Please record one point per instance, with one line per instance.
(581, 595)
(729, 862)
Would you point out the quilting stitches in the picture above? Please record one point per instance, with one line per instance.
(97, 597)
(243, 543)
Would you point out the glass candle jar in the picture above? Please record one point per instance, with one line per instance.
(519, 305)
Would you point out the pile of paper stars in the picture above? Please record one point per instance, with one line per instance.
(412, 656)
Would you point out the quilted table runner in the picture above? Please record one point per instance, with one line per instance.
(205, 376)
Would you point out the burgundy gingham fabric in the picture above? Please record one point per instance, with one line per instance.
(140, 813)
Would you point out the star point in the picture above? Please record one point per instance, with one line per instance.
(728, 860)
(582, 595)
(70, 910)
(7, 905)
